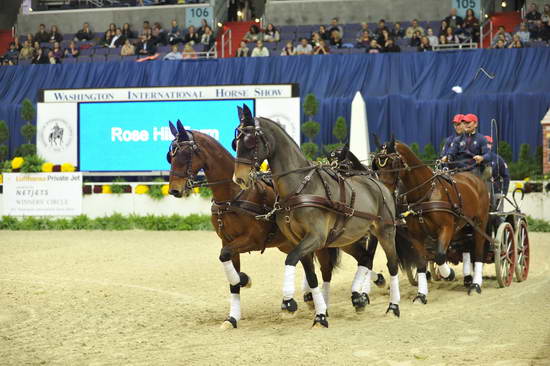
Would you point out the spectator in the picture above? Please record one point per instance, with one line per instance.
(516, 42)
(30, 38)
(253, 34)
(334, 26)
(42, 36)
(415, 39)
(442, 40)
(322, 48)
(532, 14)
(243, 51)
(107, 38)
(158, 35)
(453, 20)
(336, 39)
(523, 33)
(52, 59)
(18, 45)
(289, 49)
(260, 50)
(364, 28)
(146, 27)
(443, 28)
(174, 54)
(381, 27)
(364, 42)
(12, 54)
(271, 34)
(128, 49)
(191, 36)
(374, 47)
(145, 47)
(174, 35)
(383, 38)
(36, 46)
(304, 48)
(431, 37)
(127, 31)
(118, 39)
(57, 51)
(72, 51)
(26, 52)
(413, 28)
(502, 31)
(500, 44)
(112, 28)
(471, 25)
(207, 39)
(315, 39)
(451, 36)
(546, 33)
(40, 57)
(85, 34)
(425, 45)
(537, 31)
(545, 17)
(202, 28)
(390, 46)
(397, 32)
(324, 33)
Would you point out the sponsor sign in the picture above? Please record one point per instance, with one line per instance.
(56, 139)
(42, 194)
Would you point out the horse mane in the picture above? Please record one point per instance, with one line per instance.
(411, 158)
(282, 129)
(213, 143)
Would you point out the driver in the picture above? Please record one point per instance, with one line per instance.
(457, 119)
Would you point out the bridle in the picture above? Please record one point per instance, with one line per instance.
(192, 148)
(249, 136)
(396, 161)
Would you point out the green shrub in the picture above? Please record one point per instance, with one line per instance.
(310, 150)
(4, 150)
(32, 164)
(415, 148)
(331, 147)
(25, 150)
(117, 187)
(205, 192)
(505, 151)
(311, 105)
(310, 129)
(340, 130)
(429, 155)
(155, 190)
(538, 225)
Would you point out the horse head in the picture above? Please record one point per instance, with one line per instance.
(184, 159)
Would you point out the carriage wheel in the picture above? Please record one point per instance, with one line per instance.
(505, 254)
(435, 274)
(523, 250)
(412, 277)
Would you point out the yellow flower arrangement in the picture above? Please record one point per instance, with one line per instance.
(1, 179)
(17, 162)
(47, 167)
(141, 189)
(519, 185)
(164, 189)
(67, 168)
(527, 179)
(106, 189)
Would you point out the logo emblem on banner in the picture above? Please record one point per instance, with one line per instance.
(285, 123)
(56, 134)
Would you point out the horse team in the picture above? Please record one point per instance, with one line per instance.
(309, 210)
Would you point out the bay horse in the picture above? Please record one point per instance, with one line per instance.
(438, 208)
(233, 217)
(306, 213)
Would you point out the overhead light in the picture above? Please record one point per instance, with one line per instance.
(503, 4)
(220, 25)
(239, 13)
(30, 9)
(257, 20)
(486, 16)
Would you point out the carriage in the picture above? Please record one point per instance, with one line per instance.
(509, 251)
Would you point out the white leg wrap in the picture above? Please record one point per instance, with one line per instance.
(359, 279)
(231, 273)
(466, 264)
(288, 282)
(478, 272)
(368, 282)
(320, 306)
(305, 286)
(444, 270)
(326, 290)
(422, 283)
(395, 297)
(235, 310)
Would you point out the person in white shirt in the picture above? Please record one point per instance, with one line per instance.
(260, 50)
(432, 38)
(523, 33)
(304, 48)
(174, 55)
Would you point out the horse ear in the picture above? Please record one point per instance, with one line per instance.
(377, 141)
(345, 149)
(392, 143)
(173, 129)
(247, 114)
(241, 114)
(181, 131)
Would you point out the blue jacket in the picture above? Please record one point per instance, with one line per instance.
(466, 146)
(501, 175)
(447, 146)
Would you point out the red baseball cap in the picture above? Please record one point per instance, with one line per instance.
(458, 118)
(470, 118)
(489, 139)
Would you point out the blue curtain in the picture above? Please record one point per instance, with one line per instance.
(406, 94)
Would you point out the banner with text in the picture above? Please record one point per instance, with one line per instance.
(42, 194)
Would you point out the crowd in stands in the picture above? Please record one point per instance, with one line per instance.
(51, 47)
(75, 4)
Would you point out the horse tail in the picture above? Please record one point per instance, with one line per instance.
(407, 254)
(334, 256)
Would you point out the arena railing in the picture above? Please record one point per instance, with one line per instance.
(486, 30)
(226, 40)
(456, 46)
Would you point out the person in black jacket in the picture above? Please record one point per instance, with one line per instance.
(145, 47)
(390, 46)
(55, 36)
(85, 34)
(453, 20)
(42, 36)
(40, 57)
(191, 36)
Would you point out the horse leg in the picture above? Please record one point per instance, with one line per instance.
(422, 294)
(380, 281)
(328, 258)
(318, 298)
(443, 240)
(386, 238)
(479, 246)
(231, 266)
(360, 299)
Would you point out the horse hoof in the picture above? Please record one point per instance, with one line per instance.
(468, 281)
(229, 323)
(428, 275)
(289, 308)
(245, 280)
(474, 286)
(394, 308)
(320, 321)
(421, 297)
(308, 299)
(451, 276)
(380, 281)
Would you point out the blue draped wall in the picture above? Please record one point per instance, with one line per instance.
(407, 94)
